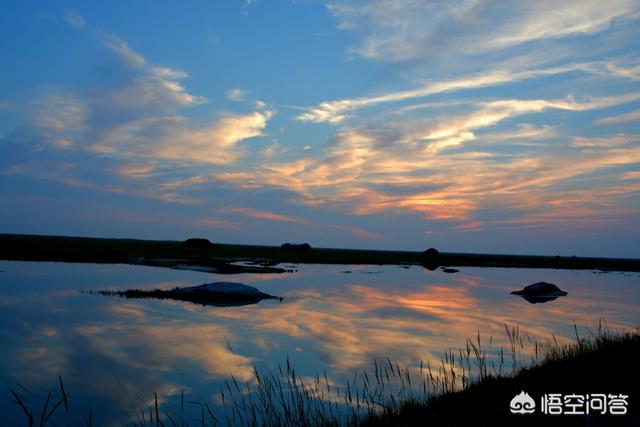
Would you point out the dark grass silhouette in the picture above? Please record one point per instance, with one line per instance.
(603, 364)
(471, 386)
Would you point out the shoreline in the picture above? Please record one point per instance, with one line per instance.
(604, 363)
(224, 258)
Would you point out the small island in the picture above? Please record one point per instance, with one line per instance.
(219, 294)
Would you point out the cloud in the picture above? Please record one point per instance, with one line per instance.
(630, 175)
(357, 232)
(548, 20)
(411, 167)
(58, 119)
(632, 116)
(603, 142)
(156, 87)
(405, 30)
(136, 116)
(271, 216)
(201, 345)
(236, 94)
(456, 131)
(148, 83)
(122, 49)
(104, 118)
(246, 4)
(137, 170)
(524, 134)
(499, 139)
(173, 138)
(74, 18)
(632, 72)
(273, 150)
(214, 144)
(335, 111)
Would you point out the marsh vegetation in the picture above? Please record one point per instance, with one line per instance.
(471, 385)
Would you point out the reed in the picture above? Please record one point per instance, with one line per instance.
(383, 391)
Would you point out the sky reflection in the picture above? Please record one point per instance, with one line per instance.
(118, 351)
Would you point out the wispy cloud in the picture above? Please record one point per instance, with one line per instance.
(271, 216)
(136, 170)
(137, 116)
(524, 134)
(357, 232)
(603, 142)
(630, 175)
(246, 4)
(459, 130)
(365, 172)
(632, 116)
(122, 49)
(336, 111)
(236, 94)
(483, 115)
(406, 30)
(215, 144)
(74, 18)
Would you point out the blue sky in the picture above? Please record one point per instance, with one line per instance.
(475, 126)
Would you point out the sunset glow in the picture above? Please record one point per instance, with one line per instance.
(469, 126)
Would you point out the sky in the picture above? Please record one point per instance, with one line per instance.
(465, 125)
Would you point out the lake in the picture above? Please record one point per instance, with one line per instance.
(114, 353)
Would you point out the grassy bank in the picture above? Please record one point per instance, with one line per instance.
(604, 364)
(222, 258)
(471, 386)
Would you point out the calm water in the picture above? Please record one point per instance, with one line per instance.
(113, 353)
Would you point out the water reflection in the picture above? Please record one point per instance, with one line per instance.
(217, 294)
(115, 352)
(538, 300)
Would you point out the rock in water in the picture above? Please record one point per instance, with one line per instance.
(541, 289)
(540, 292)
(222, 288)
(217, 294)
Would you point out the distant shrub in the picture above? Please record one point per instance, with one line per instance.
(296, 246)
(431, 252)
(198, 243)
